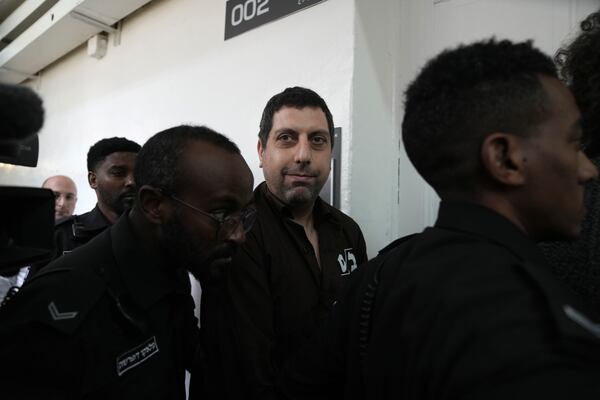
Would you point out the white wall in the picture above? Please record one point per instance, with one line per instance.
(393, 39)
(174, 67)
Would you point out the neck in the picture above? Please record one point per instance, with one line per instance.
(303, 215)
(501, 204)
(109, 214)
(145, 232)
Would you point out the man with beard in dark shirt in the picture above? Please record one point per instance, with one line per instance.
(110, 165)
(298, 255)
(468, 309)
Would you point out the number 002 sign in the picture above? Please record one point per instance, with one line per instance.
(243, 15)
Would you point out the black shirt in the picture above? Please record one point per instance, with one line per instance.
(275, 294)
(111, 320)
(77, 230)
(72, 232)
(465, 310)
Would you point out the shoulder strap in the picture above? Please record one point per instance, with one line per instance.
(368, 299)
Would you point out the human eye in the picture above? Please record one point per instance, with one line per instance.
(118, 172)
(220, 215)
(319, 140)
(285, 137)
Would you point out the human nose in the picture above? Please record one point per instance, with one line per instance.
(60, 201)
(129, 181)
(303, 151)
(238, 235)
(587, 170)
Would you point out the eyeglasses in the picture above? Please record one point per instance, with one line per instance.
(227, 225)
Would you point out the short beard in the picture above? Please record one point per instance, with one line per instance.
(192, 257)
(299, 198)
(117, 204)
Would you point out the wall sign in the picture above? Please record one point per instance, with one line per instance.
(243, 15)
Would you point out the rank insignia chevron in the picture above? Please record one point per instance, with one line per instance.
(58, 316)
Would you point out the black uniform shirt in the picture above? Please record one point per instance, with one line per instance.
(465, 310)
(77, 230)
(111, 320)
(276, 294)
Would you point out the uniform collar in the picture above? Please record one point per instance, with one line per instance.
(93, 220)
(147, 274)
(321, 210)
(484, 222)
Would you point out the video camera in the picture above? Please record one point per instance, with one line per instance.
(26, 213)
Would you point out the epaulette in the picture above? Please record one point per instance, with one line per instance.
(396, 243)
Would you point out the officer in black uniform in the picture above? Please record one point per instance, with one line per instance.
(468, 309)
(114, 319)
(110, 165)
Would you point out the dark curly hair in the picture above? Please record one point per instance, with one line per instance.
(460, 97)
(157, 164)
(579, 67)
(105, 147)
(297, 97)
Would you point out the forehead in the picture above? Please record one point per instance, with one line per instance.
(306, 119)
(60, 184)
(212, 173)
(119, 159)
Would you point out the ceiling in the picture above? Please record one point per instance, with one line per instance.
(35, 33)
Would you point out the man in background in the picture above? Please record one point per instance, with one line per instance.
(110, 164)
(298, 255)
(65, 195)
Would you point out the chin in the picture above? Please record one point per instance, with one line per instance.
(302, 195)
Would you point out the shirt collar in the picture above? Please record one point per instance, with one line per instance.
(485, 222)
(321, 210)
(93, 220)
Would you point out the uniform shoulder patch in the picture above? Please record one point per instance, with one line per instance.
(60, 315)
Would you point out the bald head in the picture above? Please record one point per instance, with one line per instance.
(65, 195)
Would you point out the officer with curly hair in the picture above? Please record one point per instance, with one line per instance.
(468, 308)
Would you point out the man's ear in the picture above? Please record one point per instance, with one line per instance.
(260, 150)
(152, 204)
(92, 179)
(503, 158)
